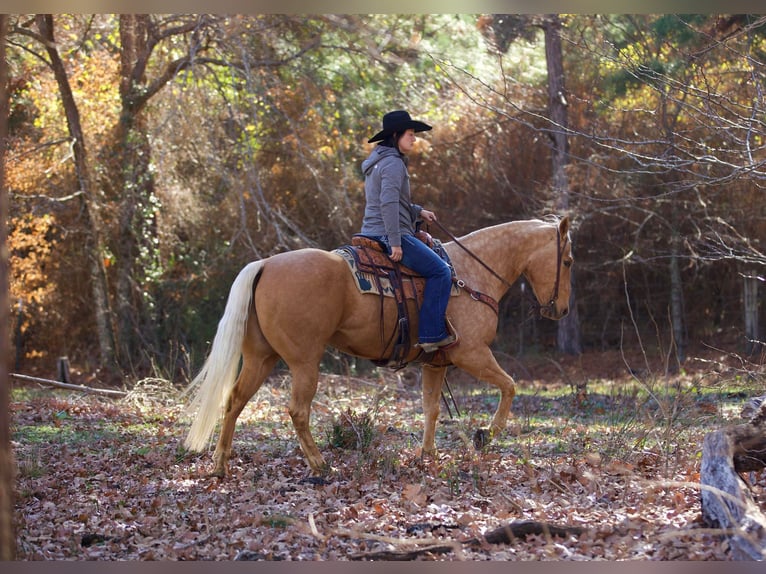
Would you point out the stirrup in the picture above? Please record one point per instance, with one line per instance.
(431, 347)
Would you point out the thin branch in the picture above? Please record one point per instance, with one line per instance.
(81, 388)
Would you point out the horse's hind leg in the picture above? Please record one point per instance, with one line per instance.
(304, 387)
(254, 372)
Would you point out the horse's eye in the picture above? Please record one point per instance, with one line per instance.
(568, 263)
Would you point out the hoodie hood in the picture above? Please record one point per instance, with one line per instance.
(380, 152)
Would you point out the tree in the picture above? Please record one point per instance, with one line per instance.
(568, 332)
(228, 138)
(644, 157)
(94, 247)
(683, 67)
(7, 466)
(93, 244)
(251, 67)
(145, 69)
(505, 29)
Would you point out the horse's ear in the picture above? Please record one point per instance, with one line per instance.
(564, 225)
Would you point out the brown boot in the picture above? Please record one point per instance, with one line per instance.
(450, 339)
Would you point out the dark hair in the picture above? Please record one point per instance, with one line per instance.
(391, 140)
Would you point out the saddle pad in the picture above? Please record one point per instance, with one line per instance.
(368, 281)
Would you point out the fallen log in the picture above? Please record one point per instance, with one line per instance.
(521, 529)
(727, 502)
(71, 387)
(404, 555)
(505, 534)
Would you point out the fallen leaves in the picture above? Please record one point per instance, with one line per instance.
(112, 482)
(414, 493)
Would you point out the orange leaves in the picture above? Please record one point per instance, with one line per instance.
(32, 241)
(34, 295)
(95, 83)
(414, 493)
(379, 506)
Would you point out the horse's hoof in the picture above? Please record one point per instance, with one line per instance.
(425, 453)
(315, 480)
(219, 473)
(321, 470)
(481, 438)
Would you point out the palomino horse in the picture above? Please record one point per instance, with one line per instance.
(292, 305)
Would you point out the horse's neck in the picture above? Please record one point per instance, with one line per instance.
(504, 248)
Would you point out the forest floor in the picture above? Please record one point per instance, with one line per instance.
(604, 443)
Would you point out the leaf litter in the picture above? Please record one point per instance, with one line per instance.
(100, 479)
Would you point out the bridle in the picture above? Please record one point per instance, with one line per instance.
(537, 308)
(555, 295)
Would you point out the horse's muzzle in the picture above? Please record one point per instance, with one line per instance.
(551, 311)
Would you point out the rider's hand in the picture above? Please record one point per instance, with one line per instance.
(396, 253)
(427, 215)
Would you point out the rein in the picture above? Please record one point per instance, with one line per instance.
(472, 254)
(491, 302)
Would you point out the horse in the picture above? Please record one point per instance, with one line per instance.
(294, 304)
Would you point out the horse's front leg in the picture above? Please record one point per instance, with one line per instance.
(482, 365)
(433, 378)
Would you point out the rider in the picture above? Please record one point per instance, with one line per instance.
(390, 216)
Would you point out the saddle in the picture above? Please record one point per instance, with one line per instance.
(375, 272)
(372, 257)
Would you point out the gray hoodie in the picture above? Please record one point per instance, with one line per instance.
(389, 209)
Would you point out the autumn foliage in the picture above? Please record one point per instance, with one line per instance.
(208, 141)
(226, 139)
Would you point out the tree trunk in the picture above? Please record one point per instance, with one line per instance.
(677, 316)
(750, 281)
(136, 251)
(726, 499)
(557, 108)
(568, 333)
(7, 466)
(93, 242)
(137, 229)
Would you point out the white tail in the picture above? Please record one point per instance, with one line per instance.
(211, 387)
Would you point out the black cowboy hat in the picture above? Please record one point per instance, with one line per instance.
(398, 121)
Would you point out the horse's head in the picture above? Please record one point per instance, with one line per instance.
(548, 271)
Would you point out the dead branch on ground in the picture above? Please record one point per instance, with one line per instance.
(69, 386)
(727, 501)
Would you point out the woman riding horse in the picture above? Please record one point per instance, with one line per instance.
(390, 217)
(282, 307)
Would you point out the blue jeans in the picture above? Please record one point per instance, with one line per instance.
(420, 258)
